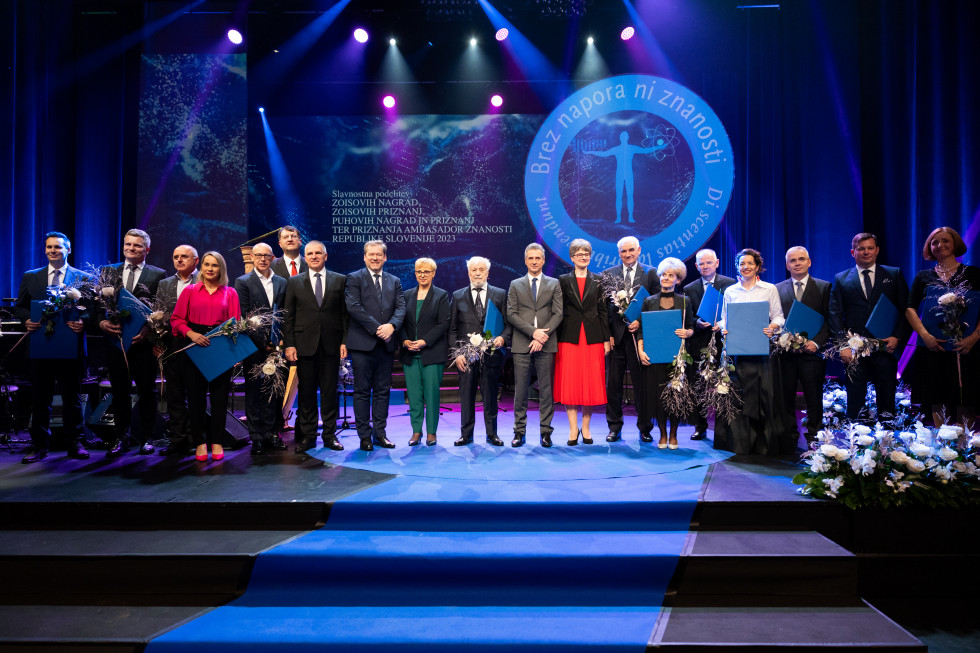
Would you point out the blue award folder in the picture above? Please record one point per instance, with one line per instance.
(132, 323)
(63, 343)
(660, 342)
(493, 321)
(710, 308)
(881, 324)
(632, 312)
(222, 353)
(803, 320)
(932, 316)
(745, 323)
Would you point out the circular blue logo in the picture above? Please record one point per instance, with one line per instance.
(632, 155)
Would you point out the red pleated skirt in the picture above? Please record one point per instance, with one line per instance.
(580, 373)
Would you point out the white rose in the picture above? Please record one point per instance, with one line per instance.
(784, 339)
(108, 291)
(948, 454)
(73, 294)
(899, 457)
(861, 429)
(838, 408)
(949, 432)
(819, 464)
(476, 339)
(920, 450)
(855, 342)
(943, 474)
(622, 294)
(722, 389)
(269, 369)
(915, 465)
(948, 298)
(827, 403)
(961, 467)
(974, 441)
(905, 402)
(864, 440)
(828, 450)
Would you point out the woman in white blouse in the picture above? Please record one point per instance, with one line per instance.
(758, 427)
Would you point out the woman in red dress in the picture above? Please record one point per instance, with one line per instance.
(583, 342)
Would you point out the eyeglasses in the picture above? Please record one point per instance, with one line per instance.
(582, 255)
(424, 272)
(262, 256)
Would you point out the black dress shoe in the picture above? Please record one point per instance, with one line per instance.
(366, 445)
(518, 440)
(494, 440)
(175, 448)
(461, 442)
(78, 452)
(613, 436)
(257, 448)
(118, 448)
(383, 441)
(275, 442)
(302, 446)
(646, 437)
(699, 435)
(35, 456)
(333, 443)
(415, 439)
(546, 440)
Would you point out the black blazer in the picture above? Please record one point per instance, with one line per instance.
(251, 297)
(590, 310)
(145, 289)
(644, 276)
(432, 326)
(367, 313)
(850, 309)
(695, 292)
(463, 319)
(816, 295)
(34, 286)
(279, 267)
(652, 303)
(311, 328)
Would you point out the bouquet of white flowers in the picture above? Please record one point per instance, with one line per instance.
(715, 386)
(787, 341)
(474, 348)
(859, 346)
(679, 396)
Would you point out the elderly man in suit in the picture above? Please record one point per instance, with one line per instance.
(469, 310)
(376, 305)
(291, 262)
(175, 368)
(46, 372)
(138, 364)
(261, 290)
(806, 367)
(853, 297)
(631, 274)
(534, 310)
(315, 332)
(707, 263)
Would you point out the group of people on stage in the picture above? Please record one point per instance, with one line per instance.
(569, 330)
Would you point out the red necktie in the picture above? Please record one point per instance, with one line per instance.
(293, 273)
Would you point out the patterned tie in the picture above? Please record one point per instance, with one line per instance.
(480, 310)
(55, 278)
(799, 290)
(377, 285)
(292, 272)
(867, 282)
(629, 279)
(131, 281)
(534, 289)
(318, 289)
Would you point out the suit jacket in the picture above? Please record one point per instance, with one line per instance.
(816, 295)
(695, 290)
(590, 310)
(167, 291)
(644, 276)
(34, 286)
(311, 328)
(252, 296)
(652, 303)
(522, 309)
(463, 319)
(145, 288)
(850, 309)
(431, 326)
(279, 267)
(367, 312)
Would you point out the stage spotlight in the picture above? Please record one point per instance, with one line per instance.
(392, 42)
(235, 36)
(627, 33)
(360, 35)
(590, 40)
(496, 100)
(473, 42)
(502, 33)
(261, 109)
(389, 101)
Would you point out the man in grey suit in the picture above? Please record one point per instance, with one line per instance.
(806, 367)
(534, 309)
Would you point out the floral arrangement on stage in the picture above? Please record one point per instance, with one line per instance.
(475, 348)
(863, 467)
(270, 372)
(62, 298)
(834, 415)
(860, 346)
(787, 341)
(952, 306)
(715, 387)
(679, 396)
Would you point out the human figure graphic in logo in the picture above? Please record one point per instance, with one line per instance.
(662, 146)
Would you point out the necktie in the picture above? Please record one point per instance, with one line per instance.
(799, 290)
(377, 285)
(629, 278)
(534, 289)
(867, 282)
(56, 278)
(131, 281)
(318, 289)
(292, 272)
(480, 310)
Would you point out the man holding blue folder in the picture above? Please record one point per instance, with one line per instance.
(853, 298)
(807, 367)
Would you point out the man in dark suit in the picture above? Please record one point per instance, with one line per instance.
(807, 367)
(631, 275)
(46, 372)
(138, 364)
(707, 263)
(534, 309)
(853, 298)
(467, 316)
(376, 305)
(291, 262)
(315, 333)
(175, 368)
(261, 290)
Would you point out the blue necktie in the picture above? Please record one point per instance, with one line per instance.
(867, 283)
(318, 289)
(377, 285)
(534, 289)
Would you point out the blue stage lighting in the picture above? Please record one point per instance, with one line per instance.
(235, 36)
(261, 109)
(360, 35)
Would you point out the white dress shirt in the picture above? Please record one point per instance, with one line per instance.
(861, 270)
(540, 277)
(63, 270)
(266, 283)
(760, 292)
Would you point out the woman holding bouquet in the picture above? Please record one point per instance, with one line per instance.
(583, 342)
(946, 366)
(759, 425)
(424, 350)
(656, 375)
(202, 306)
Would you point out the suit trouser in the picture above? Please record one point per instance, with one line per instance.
(623, 357)
(880, 368)
(142, 369)
(316, 372)
(485, 375)
(67, 373)
(175, 371)
(809, 370)
(372, 388)
(261, 404)
(544, 364)
(422, 386)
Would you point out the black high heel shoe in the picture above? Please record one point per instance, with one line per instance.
(414, 441)
(430, 440)
(574, 442)
(585, 440)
